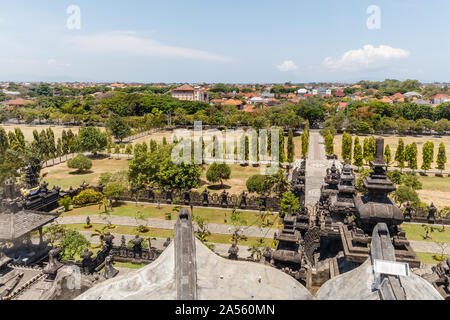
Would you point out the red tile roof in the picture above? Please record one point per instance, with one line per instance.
(184, 87)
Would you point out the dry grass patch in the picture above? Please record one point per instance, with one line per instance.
(64, 177)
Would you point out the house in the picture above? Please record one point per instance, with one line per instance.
(117, 85)
(397, 97)
(315, 92)
(422, 102)
(386, 100)
(214, 102)
(186, 92)
(439, 98)
(302, 92)
(413, 94)
(16, 103)
(342, 105)
(322, 90)
(257, 99)
(339, 94)
(234, 102)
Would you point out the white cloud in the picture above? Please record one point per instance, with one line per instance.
(287, 65)
(369, 57)
(128, 43)
(54, 62)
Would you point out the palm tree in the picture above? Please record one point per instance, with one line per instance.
(100, 233)
(255, 249)
(104, 203)
(428, 229)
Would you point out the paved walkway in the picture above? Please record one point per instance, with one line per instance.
(167, 224)
(316, 167)
(219, 248)
(428, 247)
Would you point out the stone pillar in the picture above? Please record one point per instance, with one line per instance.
(41, 240)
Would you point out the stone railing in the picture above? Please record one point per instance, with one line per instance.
(421, 216)
(195, 198)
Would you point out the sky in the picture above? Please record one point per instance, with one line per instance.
(229, 41)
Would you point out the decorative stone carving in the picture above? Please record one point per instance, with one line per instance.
(109, 272)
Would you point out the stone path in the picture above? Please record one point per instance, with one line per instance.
(167, 224)
(428, 247)
(316, 167)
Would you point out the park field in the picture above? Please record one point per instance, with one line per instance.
(428, 258)
(393, 143)
(435, 189)
(61, 175)
(64, 177)
(28, 130)
(417, 232)
(151, 211)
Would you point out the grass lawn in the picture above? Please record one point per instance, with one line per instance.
(428, 258)
(129, 265)
(152, 211)
(435, 189)
(60, 175)
(434, 183)
(237, 182)
(164, 233)
(416, 232)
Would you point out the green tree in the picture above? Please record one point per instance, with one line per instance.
(400, 154)
(357, 153)
(289, 200)
(346, 147)
(290, 146)
(73, 244)
(329, 143)
(411, 180)
(427, 155)
(257, 183)
(157, 169)
(153, 146)
(369, 149)
(405, 194)
(129, 149)
(118, 127)
(387, 155)
(80, 162)
(218, 172)
(113, 190)
(281, 146)
(92, 140)
(441, 157)
(411, 155)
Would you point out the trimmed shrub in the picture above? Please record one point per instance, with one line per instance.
(87, 197)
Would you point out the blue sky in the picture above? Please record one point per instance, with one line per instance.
(224, 41)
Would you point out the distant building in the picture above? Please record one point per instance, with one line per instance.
(412, 94)
(19, 102)
(186, 92)
(439, 98)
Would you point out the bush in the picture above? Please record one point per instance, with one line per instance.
(257, 183)
(65, 202)
(80, 162)
(87, 197)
